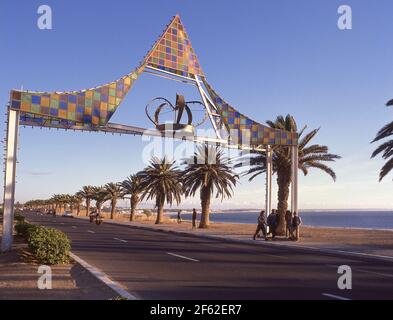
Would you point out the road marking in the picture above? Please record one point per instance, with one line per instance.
(74, 227)
(334, 296)
(117, 239)
(104, 278)
(89, 231)
(182, 257)
(62, 223)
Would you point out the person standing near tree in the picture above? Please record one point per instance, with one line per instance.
(288, 222)
(272, 223)
(194, 218)
(296, 222)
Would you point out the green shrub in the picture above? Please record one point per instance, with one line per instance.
(23, 228)
(50, 246)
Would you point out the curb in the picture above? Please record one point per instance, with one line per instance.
(104, 278)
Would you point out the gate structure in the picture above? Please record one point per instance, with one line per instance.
(172, 57)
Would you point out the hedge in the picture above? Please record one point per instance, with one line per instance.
(49, 246)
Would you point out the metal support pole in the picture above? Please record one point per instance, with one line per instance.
(269, 172)
(294, 184)
(9, 179)
(209, 112)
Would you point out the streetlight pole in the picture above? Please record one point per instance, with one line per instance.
(9, 178)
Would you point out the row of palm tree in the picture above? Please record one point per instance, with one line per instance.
(209, 173)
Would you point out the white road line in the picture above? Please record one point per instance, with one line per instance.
(89, 231)
(182, 257)
(104, 278)
(334, 296)
(74, 227)
(62, 223)
(117, 239)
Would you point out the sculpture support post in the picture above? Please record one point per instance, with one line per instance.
(269, 171)
(9, 179)
(205, 102)
(294, 184)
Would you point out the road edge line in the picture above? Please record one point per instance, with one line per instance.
(101, 276)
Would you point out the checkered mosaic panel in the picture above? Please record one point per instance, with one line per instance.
(31, 119)
(251, 132)
(93, 106)
(173, 52)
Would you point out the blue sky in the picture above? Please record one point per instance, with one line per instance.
(265, 57)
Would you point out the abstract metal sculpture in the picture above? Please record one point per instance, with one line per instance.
(181, 106)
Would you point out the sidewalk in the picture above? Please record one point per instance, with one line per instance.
(360, 242)
(18, 279)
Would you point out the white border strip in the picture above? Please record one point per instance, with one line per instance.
(333, 296)
(104, 278)
(182, 257)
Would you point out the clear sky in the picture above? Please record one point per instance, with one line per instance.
(265, 57)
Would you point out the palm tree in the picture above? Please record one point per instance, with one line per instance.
(56, 201)
(210, 172)
(386, 147)
(161, 180)
(114, 191)
(87, 193)
(63, 201)
(78, 201)
(100, 195)
(132, 186)
(310, 156)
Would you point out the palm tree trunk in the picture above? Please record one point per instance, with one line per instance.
(283, 182)
(78, 209)
(113, 209)
(160, 212)
(87, 206)
(205, 203)
(134, 202)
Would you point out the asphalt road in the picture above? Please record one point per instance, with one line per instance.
(158, 265)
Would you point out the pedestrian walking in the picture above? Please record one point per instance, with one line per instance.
(261, 226)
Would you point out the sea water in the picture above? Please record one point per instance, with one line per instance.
(332, 218)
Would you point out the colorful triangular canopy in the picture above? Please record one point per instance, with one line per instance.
(174, 53)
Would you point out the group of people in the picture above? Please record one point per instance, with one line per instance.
(293, 221)
(194, 218)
